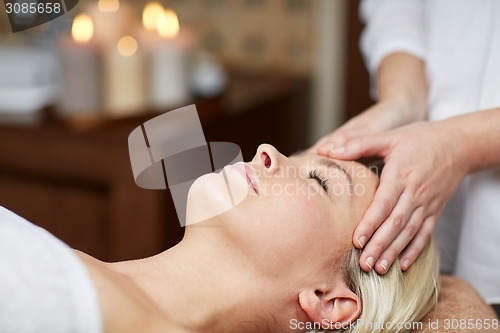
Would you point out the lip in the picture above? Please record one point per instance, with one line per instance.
(251, 178)
(246, 172)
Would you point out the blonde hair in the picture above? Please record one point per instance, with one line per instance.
(396, 301)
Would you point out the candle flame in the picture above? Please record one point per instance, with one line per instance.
(108, 6)
(127, 46)
(82, 29)
(151, 14)
(168, 24)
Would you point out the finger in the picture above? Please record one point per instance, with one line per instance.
(388, 231)
(321, 142)
(383, 203)
(325, 148)
(337, 139)
(385, 199)
(401, 241)
(340, 138)
(368, 145)
(418, 242)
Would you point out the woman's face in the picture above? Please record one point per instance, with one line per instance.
(298, 213)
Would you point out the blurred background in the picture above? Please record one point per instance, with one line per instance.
(284, 72)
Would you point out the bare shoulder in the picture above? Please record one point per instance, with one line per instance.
(124, 307)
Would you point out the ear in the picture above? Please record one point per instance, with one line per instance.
(332, 309)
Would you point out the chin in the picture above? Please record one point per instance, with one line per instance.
(210, 196)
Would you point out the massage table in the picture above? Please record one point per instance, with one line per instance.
(460, 308)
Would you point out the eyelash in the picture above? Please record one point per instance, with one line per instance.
(320, 179)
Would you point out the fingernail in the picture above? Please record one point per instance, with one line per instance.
(384, 264)
(369, 262)
(361, 241)
(339, 150)
(406, 263)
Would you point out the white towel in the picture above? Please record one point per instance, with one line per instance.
(44, 287)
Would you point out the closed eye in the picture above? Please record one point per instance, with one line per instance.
(313, 174)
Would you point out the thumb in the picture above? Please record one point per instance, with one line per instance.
(336, 139)
(355, 148)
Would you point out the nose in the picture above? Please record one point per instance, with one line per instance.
(269, 158)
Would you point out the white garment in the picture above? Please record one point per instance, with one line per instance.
(459, 40)
(44, 287)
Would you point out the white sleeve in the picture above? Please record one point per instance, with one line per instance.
(391, 26)
(44, 286)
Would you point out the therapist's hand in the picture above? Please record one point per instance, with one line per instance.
(422, 170)
(380, 117)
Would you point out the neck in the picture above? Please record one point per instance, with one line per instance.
(203, 285)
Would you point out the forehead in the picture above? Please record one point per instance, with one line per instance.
(315, 160)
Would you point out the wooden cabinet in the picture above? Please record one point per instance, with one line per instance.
(78, 184)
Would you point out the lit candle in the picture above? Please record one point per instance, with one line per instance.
(148, 35)
(169, 85)
(124, 79)
(112, 20)
(153, 11)
(81, 69)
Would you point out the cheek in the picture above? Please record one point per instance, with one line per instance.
(303, 217)
(290, 230)
(293, 206)
(301, 235)
(287, 227)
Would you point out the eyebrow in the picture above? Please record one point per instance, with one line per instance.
(331, 164)
(326, 162)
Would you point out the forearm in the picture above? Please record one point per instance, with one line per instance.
(401, 77)
(476, 139)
